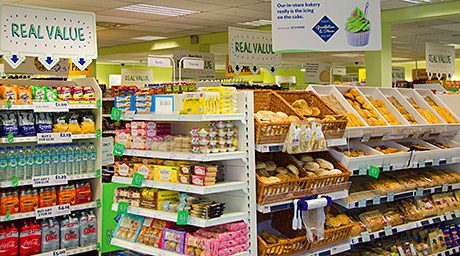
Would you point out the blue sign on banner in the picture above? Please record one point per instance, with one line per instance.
(325, 28)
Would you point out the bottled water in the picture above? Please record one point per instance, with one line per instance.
(69, 159)
(38, 161)
(12, 163)
(76, 158)
(91, 152)
(84, 158)
(54, 160)
(21, 163)
(62, 156)
(46, 155)
(3, 164)
(29, 162)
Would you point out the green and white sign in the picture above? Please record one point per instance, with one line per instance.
(440, 60)
(137, 77)
(49, 34)
(249, 47)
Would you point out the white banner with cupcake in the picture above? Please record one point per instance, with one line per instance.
(326, 25)
(440, 60)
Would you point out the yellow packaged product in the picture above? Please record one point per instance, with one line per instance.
(166, 196)
(165, 174)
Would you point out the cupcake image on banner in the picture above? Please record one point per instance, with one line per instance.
(358, 28)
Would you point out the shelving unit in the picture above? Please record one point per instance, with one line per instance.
(93, 177)
(238, 192)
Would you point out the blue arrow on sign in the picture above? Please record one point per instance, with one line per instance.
(14, 58)
(254, 68)
(237, 68)
(82, 61)
(49, 60)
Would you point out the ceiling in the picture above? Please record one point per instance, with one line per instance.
(116, 27)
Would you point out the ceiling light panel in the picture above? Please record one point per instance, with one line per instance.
(157, 10)
(256, 23)
(149, 38)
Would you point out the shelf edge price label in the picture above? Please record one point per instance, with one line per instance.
(123, 207)
(115, 114)
(362, 203)
(182, 217)
(376, 200)
(374, 172)
(137, 179)
(448, 216)
(10, 137)
(43, 181)
(419, 192)
(54, 137)
(50, 106)
(362, 170)
(61, 252)
(128, 115)
(15, 181)
(388, 231)
(366, 237)
(390, 197)
(118, 149)
(52, 211)
(445, 187)
(99, 103)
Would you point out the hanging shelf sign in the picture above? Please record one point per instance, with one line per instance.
(49, 34)
(440, 60)
(253, 48)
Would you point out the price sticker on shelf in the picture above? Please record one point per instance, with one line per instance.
(15, 181)
(49, 180)
(388, 231)
(366, 237)
(123, 207)
(54, 137)
(118, 149)
(98, 133)
(448, 216)
(457, 213)
(436, 162)
(99, 103)
(386, 168)
(362, 203)
(419, 192)
(137, 179)
(366, 138)
(421, 164)
(50, 107)
(10, 137)
(115, 114)
(98, 173)
(376, 200)
(390, 197)
(8, 104)
(52, 211)
(182, 217)
(128, 115)
(336, 142)
(449, 160)
(362, 171)
(8, 216)
(445, 187)
(416, 134)
(61, 252)
(374, 172)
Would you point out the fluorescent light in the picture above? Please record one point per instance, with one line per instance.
(156, 9)
(303, 70)
(457, 46)
(417, 1)
(149, 38)
(349, 55)
(400, 59)
(393, 37)
(256, 23)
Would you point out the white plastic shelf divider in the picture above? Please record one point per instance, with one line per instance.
(26, 215)
(405, 227)
(9, 184)
(376, 200)
(274, 207)
(72, 251)
(220, 187)
(193, 221)
(108, 99)
(150, 250)
(186, 156)
(30, 107)
(34, 138)
(190, 118)
(278, 147)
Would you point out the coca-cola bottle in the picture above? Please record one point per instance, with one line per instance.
(29, 238)
(88, 224)
(70, 232)
(50, 235)
(9, 238)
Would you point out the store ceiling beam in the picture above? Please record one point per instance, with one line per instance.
(421, 12)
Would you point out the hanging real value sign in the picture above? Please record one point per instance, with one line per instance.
(249, 47)
(326, 25)
(440, 60)
(49, 34)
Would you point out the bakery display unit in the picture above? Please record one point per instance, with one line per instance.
(214, 185)
(52, 173)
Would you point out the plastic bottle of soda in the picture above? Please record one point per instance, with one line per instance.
(29, 238)
(9, 240)
(50, 235)
(88, 226)
(70, 232)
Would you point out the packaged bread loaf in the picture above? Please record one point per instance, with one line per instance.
(373, 220)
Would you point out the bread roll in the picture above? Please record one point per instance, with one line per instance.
(324, 164)
(261, 165)
(306, 158)
(315, 111)
(335, 172)
(270, 166)
(312, 166)
(293, 169)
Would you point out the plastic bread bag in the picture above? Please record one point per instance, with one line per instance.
(373, 220)
(392, 217)
(26, 123)
(314, 220)
(87, 124)
(426, 206)
(60, 123)
(409, 210)
(8, 124)
(74, 126)
(43, 122)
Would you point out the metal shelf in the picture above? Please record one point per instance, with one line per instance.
(30, 107)
(193, 221)
(9, 184)
(34, 138)
(220, 187)
(72, 251)
(190, 118)
(186, 156)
